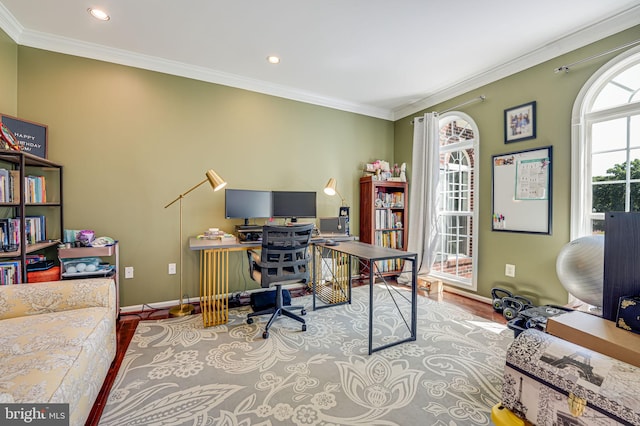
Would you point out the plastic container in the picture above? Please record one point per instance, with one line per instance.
(80, 265)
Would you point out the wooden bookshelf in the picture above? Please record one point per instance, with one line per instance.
(27, 196)
(383, 216)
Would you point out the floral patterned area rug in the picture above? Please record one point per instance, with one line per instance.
(176, 372)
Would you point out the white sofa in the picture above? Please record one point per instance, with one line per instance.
(57, 342)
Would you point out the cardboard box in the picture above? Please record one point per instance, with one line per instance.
(432, 285)
(598, 334)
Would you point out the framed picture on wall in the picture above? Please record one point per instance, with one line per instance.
(520, 123)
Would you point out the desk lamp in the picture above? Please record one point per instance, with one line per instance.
(216, 183)
(330, 189)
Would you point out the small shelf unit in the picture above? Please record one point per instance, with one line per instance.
(112, 251)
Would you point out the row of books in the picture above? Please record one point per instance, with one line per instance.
(8, 188)
(389, 265)
(393, 239)
(390, 199)
(35, 188)
(10, 272)
(388, 219)
(35, 230)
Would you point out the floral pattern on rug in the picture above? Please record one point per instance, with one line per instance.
(176, 372)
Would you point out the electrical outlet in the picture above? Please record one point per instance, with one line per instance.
(510, 270)
(128, 272)
(172, 269)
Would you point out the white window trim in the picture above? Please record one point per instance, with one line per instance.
(476, 206)
(580, 150)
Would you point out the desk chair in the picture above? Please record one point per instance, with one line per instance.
(283, 259)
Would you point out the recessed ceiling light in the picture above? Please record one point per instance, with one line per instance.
(99, 14)
(273, 59)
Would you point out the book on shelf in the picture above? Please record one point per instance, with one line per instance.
(388, 219)
(392, 239)
(35, 187)
(35, 230)
(35, 258)
(10, 231)
(10, 272)
(4, 185)
(14, 187)
(390, 199)
(389, 265)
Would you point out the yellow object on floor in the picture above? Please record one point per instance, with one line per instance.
(502, 416)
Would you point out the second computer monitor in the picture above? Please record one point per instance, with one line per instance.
(247, 204)
(294, 204)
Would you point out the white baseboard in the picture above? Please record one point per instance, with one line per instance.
(170, 303)
(473, 296)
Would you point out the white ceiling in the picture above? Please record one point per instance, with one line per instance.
(381, 58)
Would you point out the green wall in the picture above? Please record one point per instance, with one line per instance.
(555, 94)
(8, 75)
(132, 140)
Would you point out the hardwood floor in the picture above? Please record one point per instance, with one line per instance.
(128, 323)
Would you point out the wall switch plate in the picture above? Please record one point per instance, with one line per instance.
(172, 269)
(510, 270)
(128, 272)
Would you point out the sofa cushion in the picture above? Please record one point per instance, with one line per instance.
(33, 299)
(57, 357)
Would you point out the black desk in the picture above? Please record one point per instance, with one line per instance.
(368, 254)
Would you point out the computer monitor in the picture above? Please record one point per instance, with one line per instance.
(247, 204)
(294, 204)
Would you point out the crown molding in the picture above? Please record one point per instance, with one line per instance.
(621, 21)
(74, 47)
(9, 24)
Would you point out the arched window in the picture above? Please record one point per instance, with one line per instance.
(605, 147)
(457, 212)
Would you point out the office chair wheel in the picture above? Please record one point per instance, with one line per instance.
(303, 312)
(304, 327)
(265, 334)
(249, 320)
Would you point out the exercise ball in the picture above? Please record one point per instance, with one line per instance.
(580, 268)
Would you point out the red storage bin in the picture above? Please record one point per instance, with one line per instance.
(51, 274)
